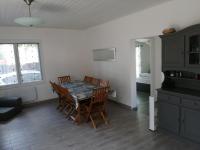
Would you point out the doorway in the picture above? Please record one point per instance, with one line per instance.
(143, 74)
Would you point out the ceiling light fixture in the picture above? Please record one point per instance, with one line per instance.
(28, 21)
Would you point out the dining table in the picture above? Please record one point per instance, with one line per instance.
(80, 91)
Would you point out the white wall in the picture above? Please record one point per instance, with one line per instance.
(118, 33)
(63, 52)
(156, 59)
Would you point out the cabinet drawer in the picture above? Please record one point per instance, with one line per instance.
(169, 98)
(194, 104)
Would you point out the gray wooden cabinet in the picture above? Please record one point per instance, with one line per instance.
(190, 124)
(173, 51)
(169, 123)
(192, 48)
(179, 113)
(181, 50)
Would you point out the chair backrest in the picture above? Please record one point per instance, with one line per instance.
(55, 88)
(98, 100)
(64, 93)
(99, 95)
(63, 79)
(104, 83)
(61, 90)
(88, 79)
(52, 85)
(95, 81)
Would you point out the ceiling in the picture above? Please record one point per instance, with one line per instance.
(72, 14)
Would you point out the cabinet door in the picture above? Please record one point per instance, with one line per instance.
(192, 55)
(173, 51)
(168, 117)
(190, 127)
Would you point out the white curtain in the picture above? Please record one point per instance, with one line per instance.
(138, 61)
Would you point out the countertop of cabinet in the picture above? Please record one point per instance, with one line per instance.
(182, 91)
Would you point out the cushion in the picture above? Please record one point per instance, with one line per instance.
(5, 109)
(7, 113)
(10, 102)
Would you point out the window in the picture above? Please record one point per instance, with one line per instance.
(138, 61)
(19, 63)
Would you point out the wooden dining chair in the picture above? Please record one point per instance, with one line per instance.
(97, 105)
(67, 100)
(52, 86)
(88, 79)
(104, 83)
(63, 79)
(56, 90)
(95, 81)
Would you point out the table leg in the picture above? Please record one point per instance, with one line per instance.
(78, 115)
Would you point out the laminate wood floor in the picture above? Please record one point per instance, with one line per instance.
(42, 127)
(143, 102)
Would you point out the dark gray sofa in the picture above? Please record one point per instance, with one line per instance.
(9, 107)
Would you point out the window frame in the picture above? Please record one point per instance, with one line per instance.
(17, 64)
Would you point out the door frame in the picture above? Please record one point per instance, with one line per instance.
(133, 71)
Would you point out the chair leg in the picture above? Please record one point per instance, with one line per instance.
(67, 110)
(58, 107)
(93, 123)
(73, 109)
(63, 106)
(104, 119)
(88, 117)
(78, 116)
(105, 113)
(59, 104)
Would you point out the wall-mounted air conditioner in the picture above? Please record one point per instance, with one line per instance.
(106, 54)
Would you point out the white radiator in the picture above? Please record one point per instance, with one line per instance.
(152, 113)
(28, 94)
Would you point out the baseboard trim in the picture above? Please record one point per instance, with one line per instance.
(35, 103)
(121, 105)
(54, 99)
